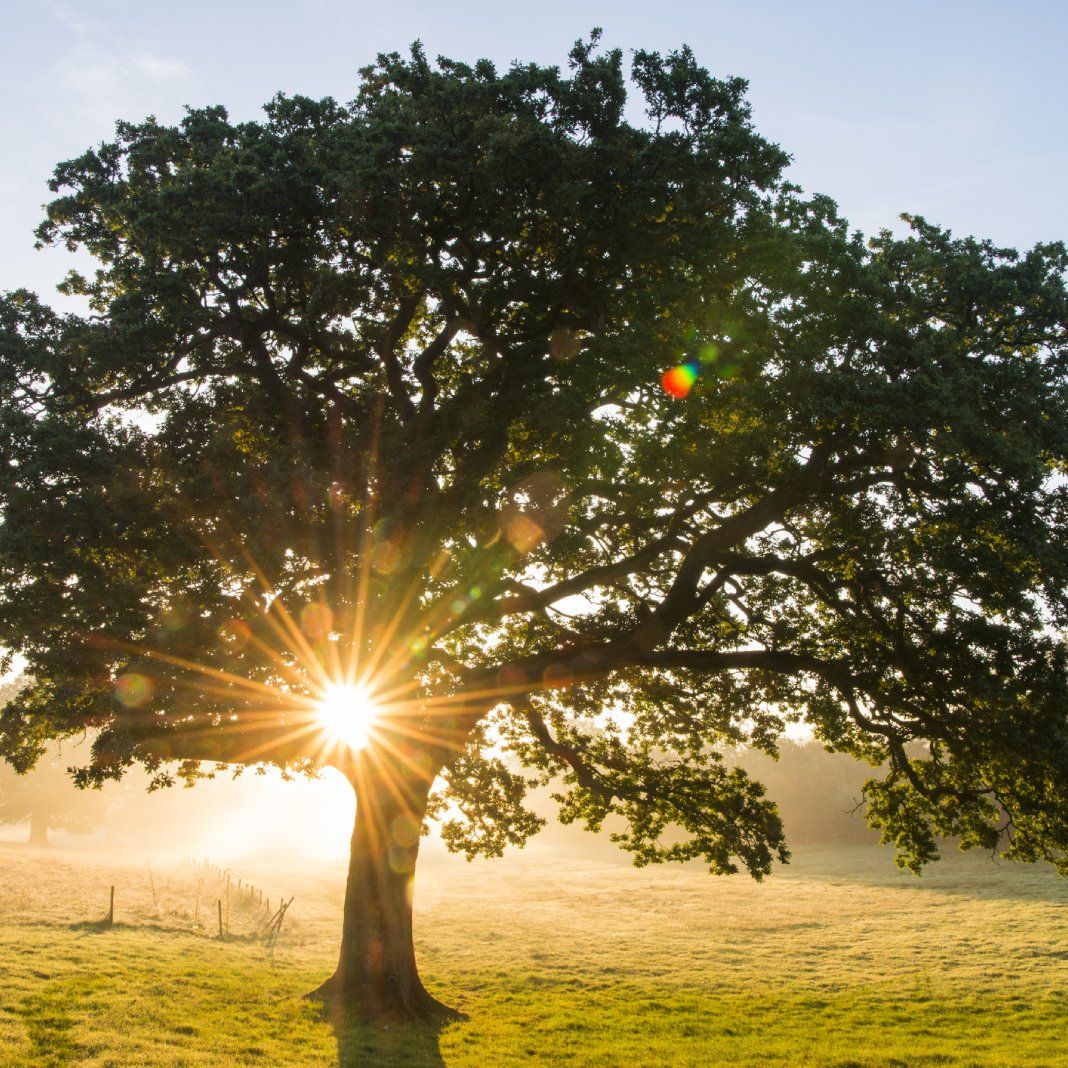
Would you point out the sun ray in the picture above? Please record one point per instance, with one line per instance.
(363, 575)
(388, 634)
(287, 629)
(222, 675)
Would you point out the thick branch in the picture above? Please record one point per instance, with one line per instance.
(586, 776)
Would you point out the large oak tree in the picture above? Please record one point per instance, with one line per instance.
(373, 395)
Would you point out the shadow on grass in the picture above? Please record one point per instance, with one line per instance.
(970, 875)
(375, 1045)
(50, 1027)
(105, 925)
(409, 1046)
(93, 926)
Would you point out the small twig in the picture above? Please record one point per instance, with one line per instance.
(152, 884)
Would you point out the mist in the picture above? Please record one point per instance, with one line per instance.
(260, 813)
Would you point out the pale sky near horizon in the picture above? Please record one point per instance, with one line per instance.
(952, 110)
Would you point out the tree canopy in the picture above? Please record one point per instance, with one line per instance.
(539, 402)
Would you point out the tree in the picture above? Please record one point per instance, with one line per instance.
(574, 440)
(45, 796)
(46, 799)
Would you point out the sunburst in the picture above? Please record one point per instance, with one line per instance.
(347, 714)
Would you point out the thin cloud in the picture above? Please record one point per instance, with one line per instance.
(106, 78)
(158, 68)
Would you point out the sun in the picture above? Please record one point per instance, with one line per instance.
(347, 714)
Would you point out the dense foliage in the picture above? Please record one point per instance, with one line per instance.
(385, 379)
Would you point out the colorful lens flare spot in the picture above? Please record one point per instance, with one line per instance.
(679, 380)
(316, 620)
(235, 633)
(133, 690)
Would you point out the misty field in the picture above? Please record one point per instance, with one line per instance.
(839, 959)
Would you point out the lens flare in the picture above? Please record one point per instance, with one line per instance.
(679, 380)
(347, 714)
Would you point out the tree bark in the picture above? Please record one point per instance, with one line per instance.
(38, 828)
(376, 976)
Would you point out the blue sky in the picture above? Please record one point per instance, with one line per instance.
(952, 110)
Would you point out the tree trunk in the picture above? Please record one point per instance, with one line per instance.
(376, 975)
(38, 828)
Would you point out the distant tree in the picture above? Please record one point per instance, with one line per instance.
(45, 797)
(572, 439)
(819, 794)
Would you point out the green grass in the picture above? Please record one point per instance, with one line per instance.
(838, 960)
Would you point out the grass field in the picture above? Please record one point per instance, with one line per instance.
(839, 959)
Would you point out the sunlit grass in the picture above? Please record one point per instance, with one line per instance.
(841, 961)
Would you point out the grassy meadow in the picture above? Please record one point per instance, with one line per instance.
(838, 959)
